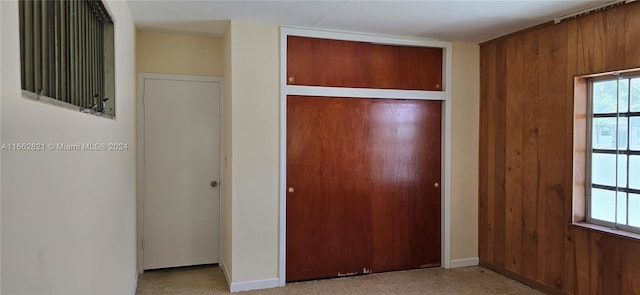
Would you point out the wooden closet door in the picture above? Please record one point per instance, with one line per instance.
(362, 175)
(328, 208)
(336, 63)
(325, 62)
(405, 176)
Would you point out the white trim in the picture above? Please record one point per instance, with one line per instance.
(283, 158)
(364, 93)
(227, 276)
(465, 262)
(362, 37)
(444, 96)
(446, 152)
(254, 285)
(134, 285)
(140, 153)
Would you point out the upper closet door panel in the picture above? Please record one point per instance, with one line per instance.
(335, 63)
(404, 67)
(324, 62)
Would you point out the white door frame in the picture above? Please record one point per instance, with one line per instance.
(140, 153)
(444, 96)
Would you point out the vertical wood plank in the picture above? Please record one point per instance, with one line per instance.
(567, 150)
(542, 154)
(595, 263)
(632, 42)
(555, 187)
(513, 177)
(611, 265)
(500, 154)
(630, 268)
(530, 155)
(489, 75)
(599, 58)
(585, 44)
(614, 36)
(491, 158)
(582, 258)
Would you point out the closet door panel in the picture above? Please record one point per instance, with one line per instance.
(324, 62)
(328, 198)
(405, 177)
(405, 67)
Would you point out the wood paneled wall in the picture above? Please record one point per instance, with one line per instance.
(526, 167)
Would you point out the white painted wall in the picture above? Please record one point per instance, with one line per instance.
(179, 53)
(465, 98)
(255, 94)
(2, 33)
(226, 257)
(67, 218)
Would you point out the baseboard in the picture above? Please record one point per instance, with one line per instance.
(227, 276)
(134, 285)
(522, 279)
(255, 285)
(465, 262)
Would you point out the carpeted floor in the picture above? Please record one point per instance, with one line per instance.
(459, 281)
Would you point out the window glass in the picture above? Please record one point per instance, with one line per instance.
(634, 133)
(634, 207)
(634, 172)
(603, 167)
(621, 213)
(603, 204)
(604, 133)
(635, 95)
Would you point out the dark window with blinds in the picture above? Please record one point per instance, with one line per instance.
(66, 51)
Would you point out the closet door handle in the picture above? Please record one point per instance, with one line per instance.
(214, 183)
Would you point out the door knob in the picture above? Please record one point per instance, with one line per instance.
(214, 183)
(436, 184)
(291, 189)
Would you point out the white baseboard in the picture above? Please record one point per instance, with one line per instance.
(465, 262)
(227, 275)
(134, 285)
(255, 285)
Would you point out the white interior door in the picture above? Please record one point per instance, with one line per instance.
(181, 159)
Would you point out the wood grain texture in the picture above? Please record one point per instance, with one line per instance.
(324, 62)
(499, 115)
(530, 175)
(632, 42)
(329, 213)
(337, 63)
(514, 150)
(405, 156)
(404, 67)
(527, 107)
(363, 173)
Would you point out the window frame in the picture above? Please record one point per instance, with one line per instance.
(589, 185)
(104, 80)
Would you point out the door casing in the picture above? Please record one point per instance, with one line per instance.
(140, 154)
(444, 96)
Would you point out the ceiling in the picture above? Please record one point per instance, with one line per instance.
(471, 20)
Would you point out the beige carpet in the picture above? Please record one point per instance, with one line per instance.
(459, 281)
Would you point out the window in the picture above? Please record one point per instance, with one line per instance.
(66, 54)
(613, 198)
